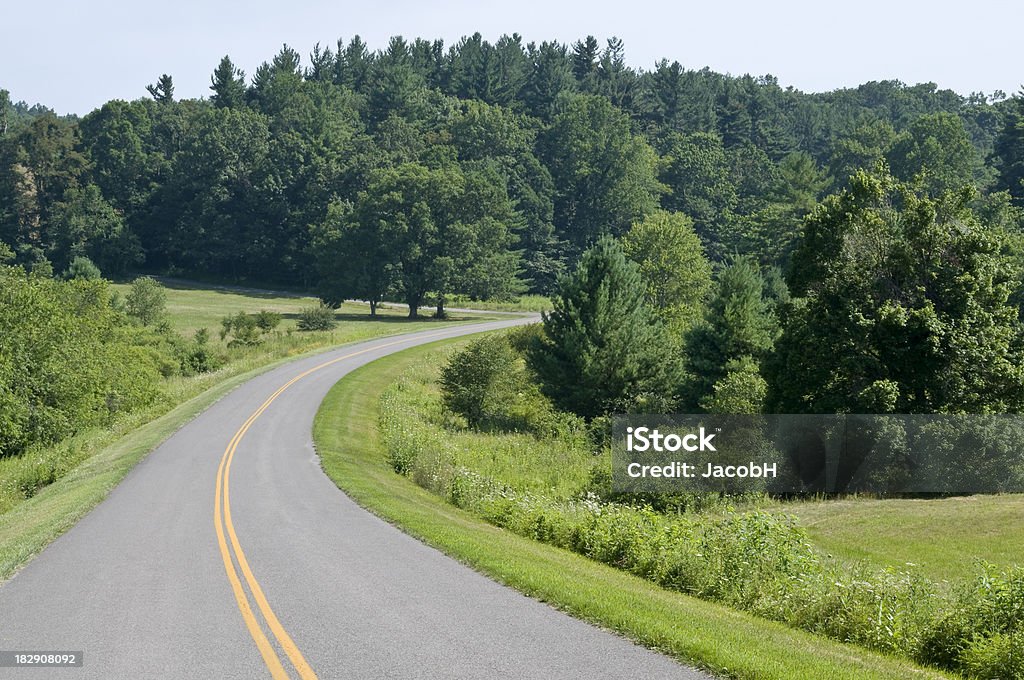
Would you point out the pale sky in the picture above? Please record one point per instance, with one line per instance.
(73, 55)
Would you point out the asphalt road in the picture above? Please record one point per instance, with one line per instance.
(153, 584)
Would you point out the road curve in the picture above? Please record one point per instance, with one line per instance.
(227, 553)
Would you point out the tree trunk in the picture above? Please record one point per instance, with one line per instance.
(373, 308)
(414, 305)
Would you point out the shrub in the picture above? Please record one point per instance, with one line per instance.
(197, 356)
(478, 381)
(244, 329)
(67, 360)
(320, 318)
(267, 321)
(82, 268)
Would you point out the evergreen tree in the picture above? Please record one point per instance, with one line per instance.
(550, 76)
(321, 64)
(738, 324)
(603, 348)
(228, 85)
(1009, 150)
(585, 54)
(162, 90)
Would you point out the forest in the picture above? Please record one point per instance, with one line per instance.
(711, 242)
(477, 169)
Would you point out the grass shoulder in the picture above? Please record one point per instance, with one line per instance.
(724, 641)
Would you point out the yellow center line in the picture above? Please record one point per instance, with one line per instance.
(222, 519)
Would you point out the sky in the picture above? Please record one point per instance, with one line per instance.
(73, 56)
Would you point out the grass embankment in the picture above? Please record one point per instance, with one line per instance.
(727, 642)
(45, 491)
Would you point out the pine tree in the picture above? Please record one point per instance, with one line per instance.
(163, 90)
(228, 85)
(738, 323)
(603, 349)
(585, 54)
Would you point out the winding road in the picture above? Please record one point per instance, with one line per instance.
(227, 553)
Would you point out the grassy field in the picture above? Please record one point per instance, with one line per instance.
(727, 642)
(524, 303)
(944, 538)
(45, 491)
(193, 306)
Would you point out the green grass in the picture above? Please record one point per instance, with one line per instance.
(944, 537)
(727, 642)
(524, 303)
(555, 467)
(192, 306)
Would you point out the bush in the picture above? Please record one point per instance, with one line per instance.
(244, 329)
(487, 383)
(479, 381)
(82, 268)
(197, 357)
(67, 360)
(320, 318)
(267, 321)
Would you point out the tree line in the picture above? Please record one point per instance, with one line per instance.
(484, 169)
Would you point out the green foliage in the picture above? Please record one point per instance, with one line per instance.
(935, 151)
(739, 326)
(83, 268)
(146, 302)
(604, 349)
(901, 306)
(67, 360)
(247, 329)
(675, 273)
(605, 176)
(741, 390)
(1009, 150)
(267, 321)
(477, 382)
(320, 318)
(697, 174)
(488, 385)
(197, 356)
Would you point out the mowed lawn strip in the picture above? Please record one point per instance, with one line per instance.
(726, 642)
(943, 537)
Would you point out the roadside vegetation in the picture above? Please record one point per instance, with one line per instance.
(84, 362)
(727, 642)
(508, 457)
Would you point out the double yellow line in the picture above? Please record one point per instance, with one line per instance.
(222, 520)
